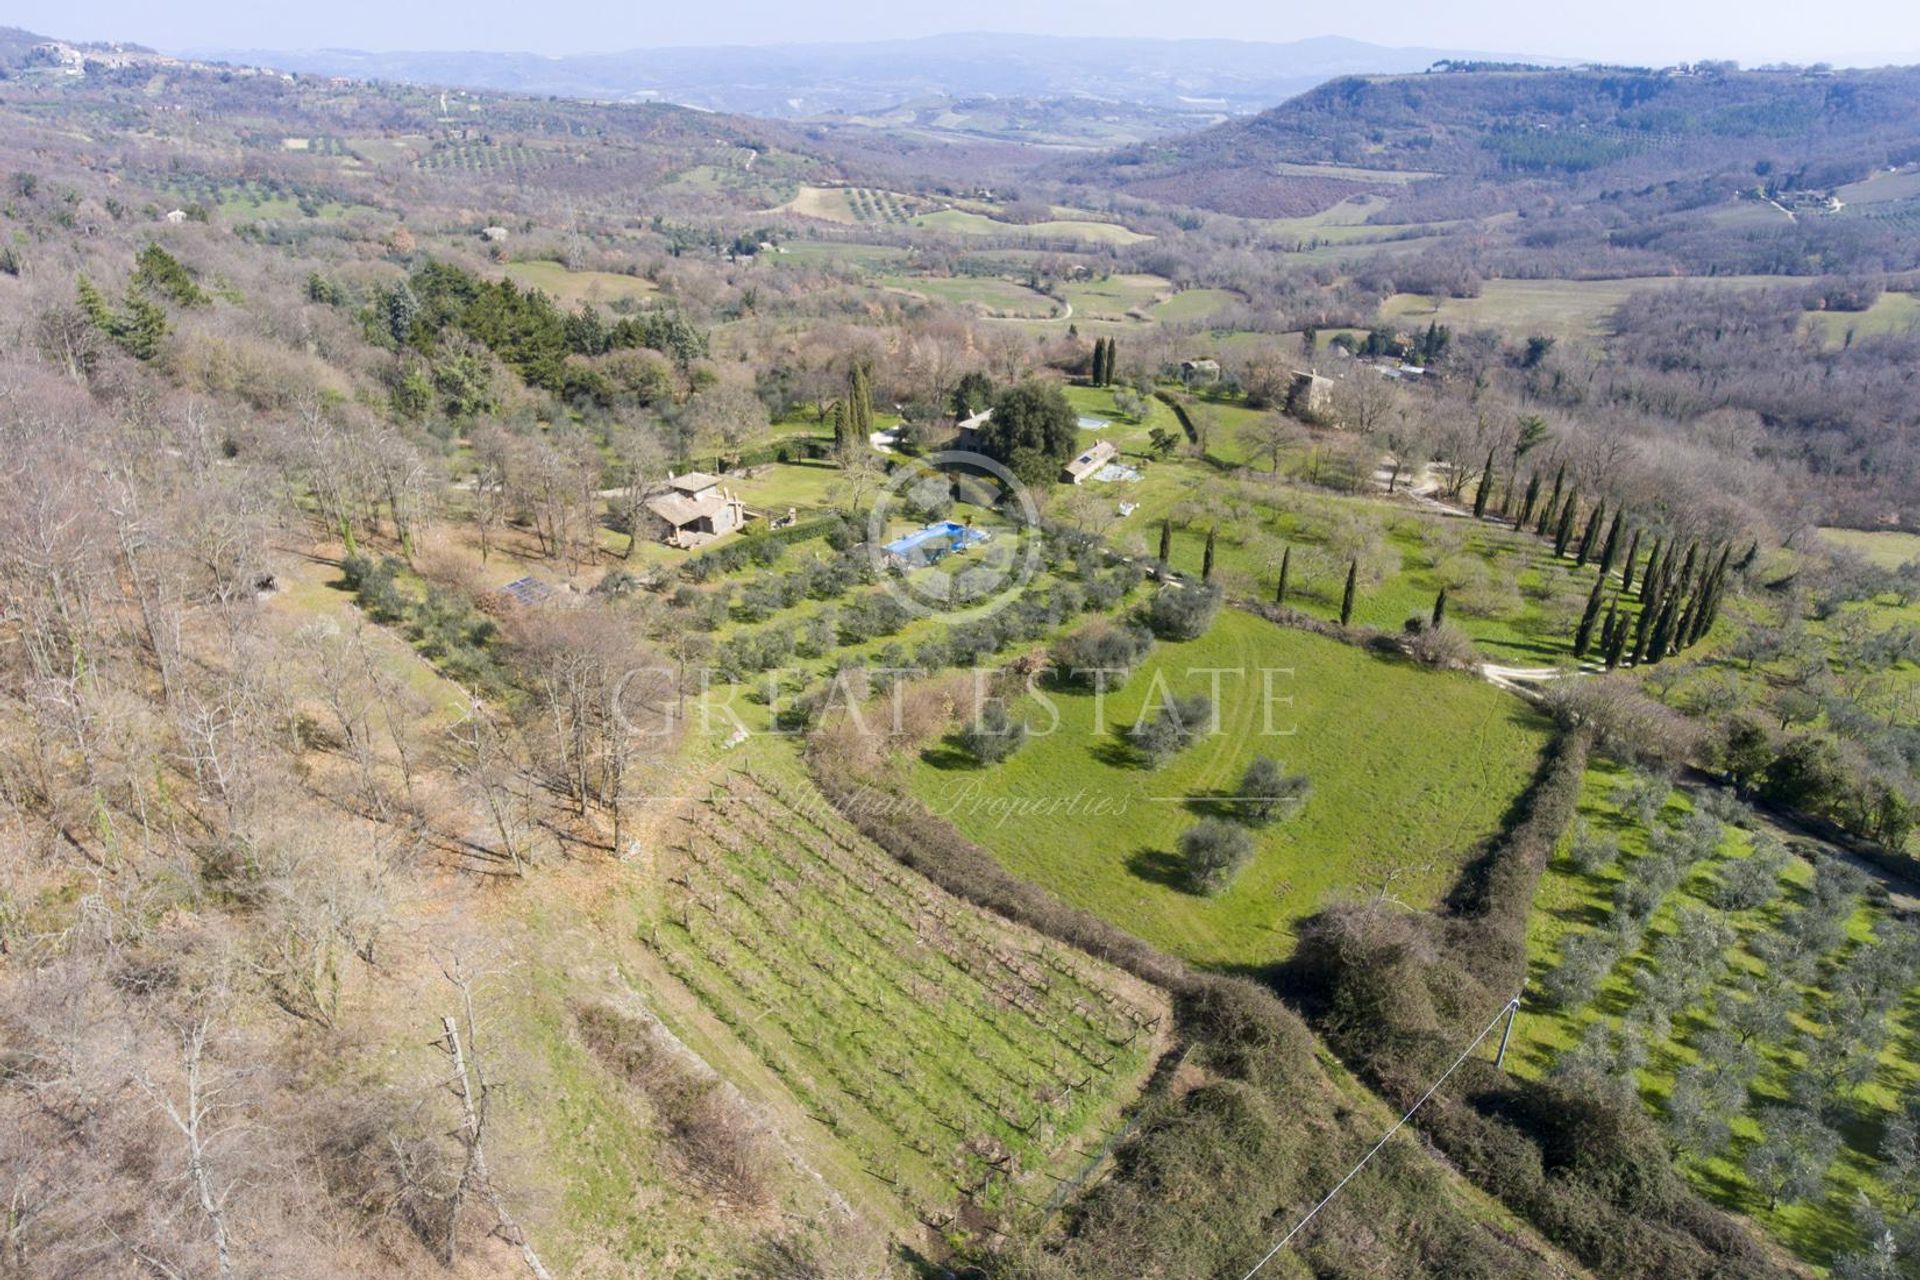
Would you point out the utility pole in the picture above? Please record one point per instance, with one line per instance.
(1513, 1012)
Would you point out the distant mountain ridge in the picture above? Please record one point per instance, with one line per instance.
(800, 80)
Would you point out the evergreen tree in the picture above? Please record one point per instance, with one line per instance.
(1583, 637)
(1752, 554)
(1286, 563)
(1651, 573)
(1716, 584)
(1485, 490)
(1617, 650)
(1686, 567)
(1506, 493)
(1166, 542)
(1206, 559)
(1643, 630)
(1662, 639)
(1551, 510)
(1626, 569)
(141, 325)
(1591, 535)
(1439, 618)
(1113, 361)
(1099, 361)
(1346, 598)
(1612, 548)
(1609, 627)
(1527, 503)
(1563, 536)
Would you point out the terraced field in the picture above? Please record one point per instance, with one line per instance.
(960, 1058)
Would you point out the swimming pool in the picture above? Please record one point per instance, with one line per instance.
(934, 541)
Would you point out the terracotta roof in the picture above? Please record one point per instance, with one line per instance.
(678, 509)
(693, 482)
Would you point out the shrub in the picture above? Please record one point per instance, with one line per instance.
(1183, 613)
(993, 735)
(1214, 852)
(1101, 647)
(1173, 728)
(1267, 789)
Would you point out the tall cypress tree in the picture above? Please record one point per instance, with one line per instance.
(1643, 631)
(1113, 360)
(1439, 618)
(1746, 561)
(1591, 535)
(1206, 558)
(1485, 490)
(1548, 512)
(1618, 648)
(1651, 574)
(1716, 584)
(1626, 570)
(1612, 547)
(1564, 534)
(1506, 494)
(1346, 599)
(1609, 627)
(1286, 563)
(1583, 637)
(1527, 503)
(1166, 542)
(1662, 633)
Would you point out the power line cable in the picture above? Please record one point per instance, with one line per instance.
(1507, 1010)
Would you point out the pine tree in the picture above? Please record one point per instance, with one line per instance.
(1206, 561)
(1612, 547)
(1583, 637)
(1563, 536)
(1485, 490)
(1166, 542)
(1439, 618)
(1527, 503)
(1346, 600)
(1591, 535)
(1548, 512)
(1626, 570)
(1286, 563)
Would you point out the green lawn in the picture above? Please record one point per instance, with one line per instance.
(1194, 306)
(571, 288)
(995, 296)
(963, 222)
(1890, 313)
(1885, 547)
(1411, 771)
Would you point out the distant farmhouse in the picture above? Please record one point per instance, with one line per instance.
(1310, 395)
(694, 509)
(1205, 372)
(1096, 456)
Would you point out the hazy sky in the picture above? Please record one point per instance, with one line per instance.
(1753, 31)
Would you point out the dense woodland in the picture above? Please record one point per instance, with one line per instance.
(353, 916)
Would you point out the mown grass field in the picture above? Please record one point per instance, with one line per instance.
(1195, 306)
(1410, 770)
(1505, 589)
(954, 1054)
(989, 294)
(1885, 547)
(1890, 313)
(966, 223)
(1571, 902)
(1569, 309)
(571, 288)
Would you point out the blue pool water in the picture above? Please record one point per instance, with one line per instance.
(935, 540)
